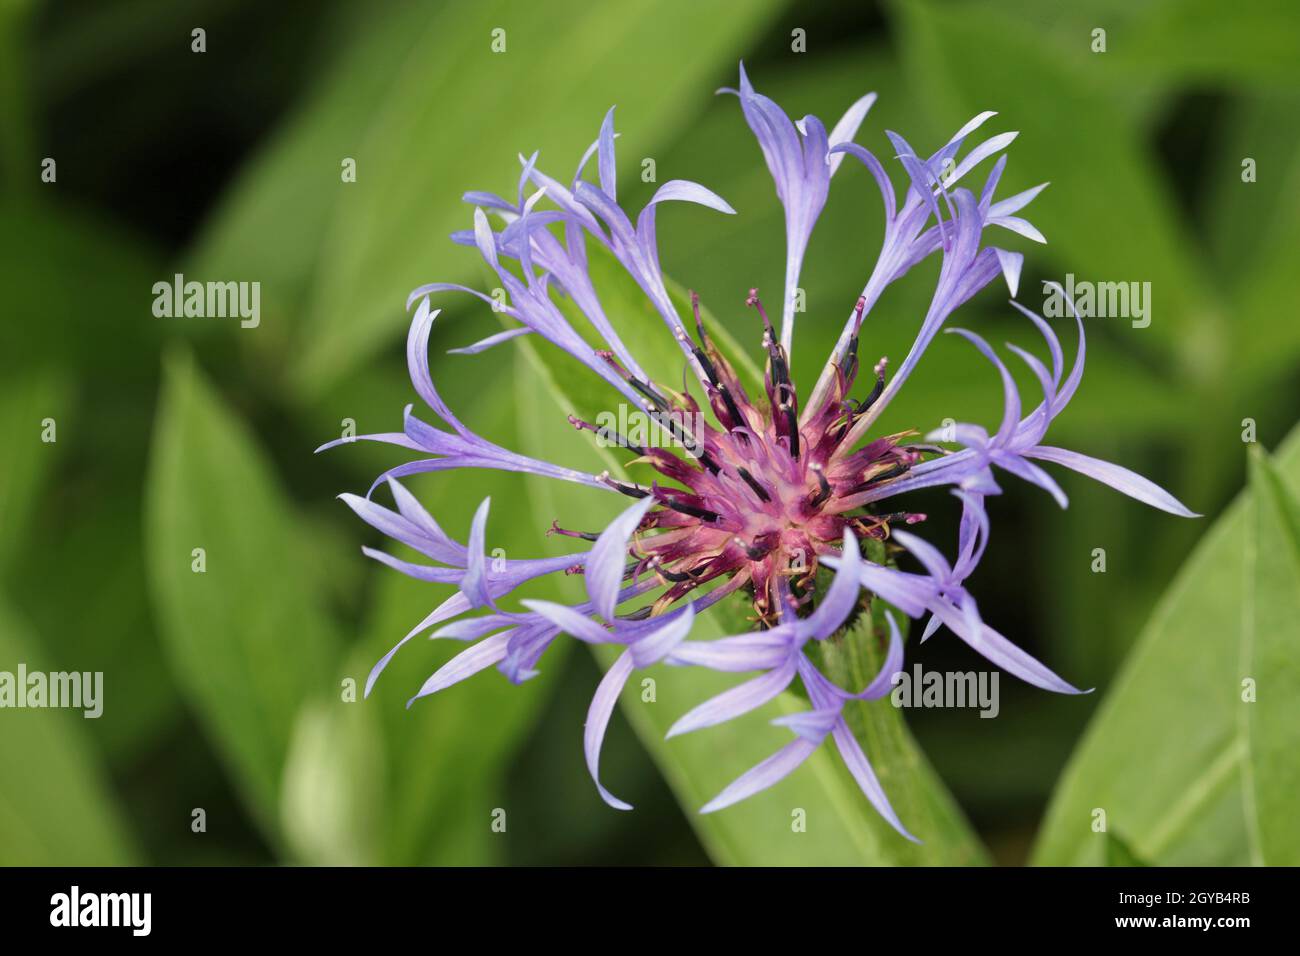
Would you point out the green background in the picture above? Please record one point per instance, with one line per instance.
(223, 691)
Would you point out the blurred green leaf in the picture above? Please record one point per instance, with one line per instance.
(88, 364)
(106, 329)
(1244, 218)
(445, 758)
(16, 106)
(1090, 619)
(102, 40)
(381, 242)
(26, 402)
(1200, 42)
(1119, 853)
(447, 755)
(248, 639)
(1159, 43)
(1165, 756)
(271, 224)
(842, 828)
(84, 589)
(448, 122)
(332, 804)
(1253, 229)
(1111, 213)
(1117, 215)
(915, 790)
(56, 806)
(1270, 640)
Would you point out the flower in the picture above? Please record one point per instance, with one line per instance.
(773, 489)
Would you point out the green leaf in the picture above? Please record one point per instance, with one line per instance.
(424, 127)
(56, 806)
(1119, 853)
(371, 782)
(17, 111)
(41, 245)
(73, 564)
(1177, 758)
(270, 225)
(1154, 45)
(446, 755)
(1266, 342)
(26, 402)
(853, 660)
(1208, 43)
(441, 763)
(84, 589)
(1245, 222)
(1271, 626)
(332, 804)
(966, 59)
(1110, 214)
(248, 639)
(841, 826)
(416, 155)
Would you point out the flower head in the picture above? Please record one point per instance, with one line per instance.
(773, 488)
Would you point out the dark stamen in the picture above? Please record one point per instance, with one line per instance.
(663, 495)
(779, 381)
(645, 388)
(584, 535)
(823, 492)
(876, 390)
(753, 483)
(673, 425)
(778, 370)
(885, 475)
(737, 419)
(791, 421)
(706, 364)
(699, 320)
(632, 491)
(607, 434)
(849, 361)
(713, 379)
(756, 552)
(775, 353)
(676, 577)
(849, 364)
(659, 403)
(702, 513)
(711, 370)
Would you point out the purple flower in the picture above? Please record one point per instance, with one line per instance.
(774, 489)
(798, 157)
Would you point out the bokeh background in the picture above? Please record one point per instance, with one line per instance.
(181, 433)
